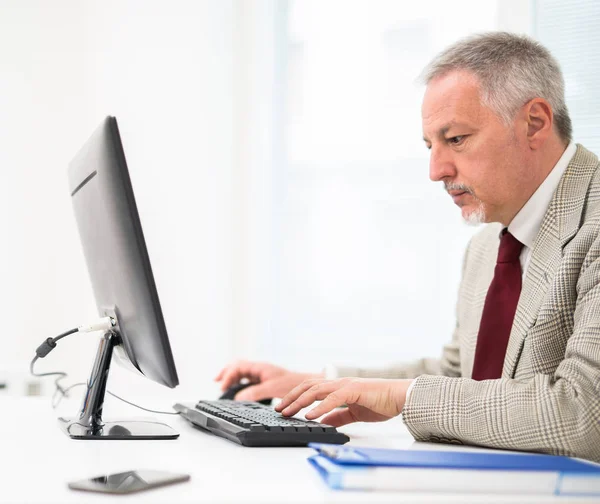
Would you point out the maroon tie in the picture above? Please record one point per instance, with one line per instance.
(499, 310)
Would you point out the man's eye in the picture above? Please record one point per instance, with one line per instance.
(457, 140)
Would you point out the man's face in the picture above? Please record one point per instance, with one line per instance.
(482, 162)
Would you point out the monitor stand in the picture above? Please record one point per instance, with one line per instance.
(89, 424)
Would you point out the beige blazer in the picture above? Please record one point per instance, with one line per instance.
(548, 398)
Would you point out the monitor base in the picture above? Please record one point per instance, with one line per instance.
(125, 429)
(90, 425)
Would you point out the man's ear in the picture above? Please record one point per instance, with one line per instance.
(540, 118)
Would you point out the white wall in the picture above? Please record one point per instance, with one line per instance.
(43, 105)
(165, 70)
(366, 263)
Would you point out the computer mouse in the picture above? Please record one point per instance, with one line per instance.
(234, 389)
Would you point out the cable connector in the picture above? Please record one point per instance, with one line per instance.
(45, 348)
(103, 324)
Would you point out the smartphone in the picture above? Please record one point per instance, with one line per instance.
(129, 481)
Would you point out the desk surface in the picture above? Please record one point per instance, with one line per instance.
(38, 460)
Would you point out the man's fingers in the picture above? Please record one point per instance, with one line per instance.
(230, 376)
(339, 418)
(220, 375)
(255, 392)
(333, 400)
(317, 392)
(296, 392)
(234, 373)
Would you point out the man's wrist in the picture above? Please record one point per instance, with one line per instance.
(408, 391)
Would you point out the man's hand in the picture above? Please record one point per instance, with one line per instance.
(368, 400)
(271, 381)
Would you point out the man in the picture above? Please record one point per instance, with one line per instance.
(522, 370)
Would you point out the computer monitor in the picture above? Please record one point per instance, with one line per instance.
(123, 284)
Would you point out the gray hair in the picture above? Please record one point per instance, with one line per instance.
(512, 69)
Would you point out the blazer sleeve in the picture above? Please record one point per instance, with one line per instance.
(556, 413)
(447, 365)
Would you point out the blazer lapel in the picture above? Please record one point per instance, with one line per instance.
(560, 224)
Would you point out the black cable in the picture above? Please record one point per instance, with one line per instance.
(66, 333)
(45, 348)
(52, 373)
(63, 393)
(61, 374)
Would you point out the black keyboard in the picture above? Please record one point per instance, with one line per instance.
(254, 424)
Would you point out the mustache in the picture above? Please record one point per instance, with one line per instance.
(449, 186)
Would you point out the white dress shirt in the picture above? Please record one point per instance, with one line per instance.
(526, 224)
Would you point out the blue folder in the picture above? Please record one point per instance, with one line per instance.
(375, 468)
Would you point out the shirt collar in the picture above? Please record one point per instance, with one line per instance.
(526, 224)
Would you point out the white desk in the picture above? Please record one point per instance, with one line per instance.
(38, 460)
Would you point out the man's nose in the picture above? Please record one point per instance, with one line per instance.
(441, 165)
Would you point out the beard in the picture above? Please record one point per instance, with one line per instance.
(476, 216)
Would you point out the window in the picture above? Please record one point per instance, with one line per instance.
(571, 30)
(367, 251)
